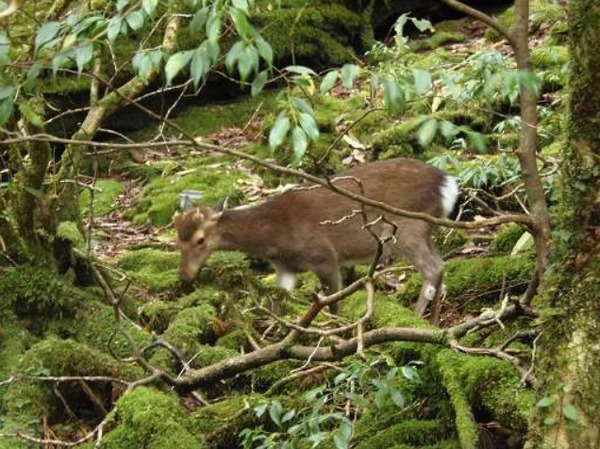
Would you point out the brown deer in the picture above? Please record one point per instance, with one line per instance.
(312, 228)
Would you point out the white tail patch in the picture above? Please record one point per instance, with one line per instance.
(449, 193)
(430, 292)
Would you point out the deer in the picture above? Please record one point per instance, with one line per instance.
(313, 228)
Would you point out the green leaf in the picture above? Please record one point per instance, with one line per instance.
(289, 415)
(200, 66)
(329, 81)
(422, 24)
(308, 124)
(34, 192)
(477, 140)
(393, 95)
(427, 132)
(241, 4)
(199, 20)
(149, 6)
(302, 105)
(6, 107)
(397, 398)
(279, 131)
(264, 50)
(549, 421)
(60, 59)
(316, 438)
(410, 373)
(233, 55)
(275, 412)
(213, 28)
(348, 74)
(121, 4)
(176, 64)
(30, 115)
(300, 70)
(300, 143)
(32, 74)
(259, 82)
(342, 435)
(46, 33)
(248, 61)
(570, 412)
(83, 55)
(448, 129)
(6, 92)
(135, 20)
(4, 48)
(260, 409)
(422, 81)
(240, 22)
(114, 28)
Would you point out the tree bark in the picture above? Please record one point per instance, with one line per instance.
(570, 346)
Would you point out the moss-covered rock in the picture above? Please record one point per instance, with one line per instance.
(160, 198)
(156, 270)
(547, 57)
(411, 433)
(478, 278)
(150, 419)
(505, 240)
(219, 425)
(438, 39)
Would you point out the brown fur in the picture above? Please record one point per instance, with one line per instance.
(288, 229)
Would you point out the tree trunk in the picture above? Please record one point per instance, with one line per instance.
(570, 345)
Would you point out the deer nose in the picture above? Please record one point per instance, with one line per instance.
(185, 276)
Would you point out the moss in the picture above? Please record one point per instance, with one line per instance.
(201, 318)
(150, 419)
(554, 56)
(36, 292)
(68, 230)
(478, 278)
(411, 432)
(447, 242)
(505, 240)
(27, 401)
(265, 377)
(438, 39)
(228, 270)
(156, 270)
(108, 190)
(219, 425)
(490, 386)
(160, 198)
(157, 315)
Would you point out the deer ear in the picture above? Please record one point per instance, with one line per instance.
(221, 205)
(187, 198)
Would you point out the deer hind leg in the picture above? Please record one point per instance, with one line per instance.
(286, 279)
(331, 280)
(418, 249)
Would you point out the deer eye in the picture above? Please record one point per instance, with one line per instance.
(200, 241)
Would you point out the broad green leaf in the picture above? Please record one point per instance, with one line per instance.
(422, 24)
(6, 107)
(302, 105)
(32, 74)
(176, 64)
(289, 415)
(241, 4)
(570, 412)
(299, 142)
(4, 48)
(135, 20)
(149, 6)
(549, 421)
(264, 50)
(348, 74)
(30, 115)
(83, 55)
(46, 33)
(259, 82)
(427, 132)
(422, 81)
(34, 192)
(233, 55)
(213, 28)
(279, 131)
(300, 70)
(308, 124)
(410, 373)
(342, 435)
(200, 66)
(6, 92)
(393, 95)
(240, 22)
(448, 129)
(477, 140)
(329, 81)
(60, 60)
(316, 438)
(121, 4)
(275, 412)
(199, 20)
(248, 61)
(260, 409)
(397, 398)
(114, 28)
